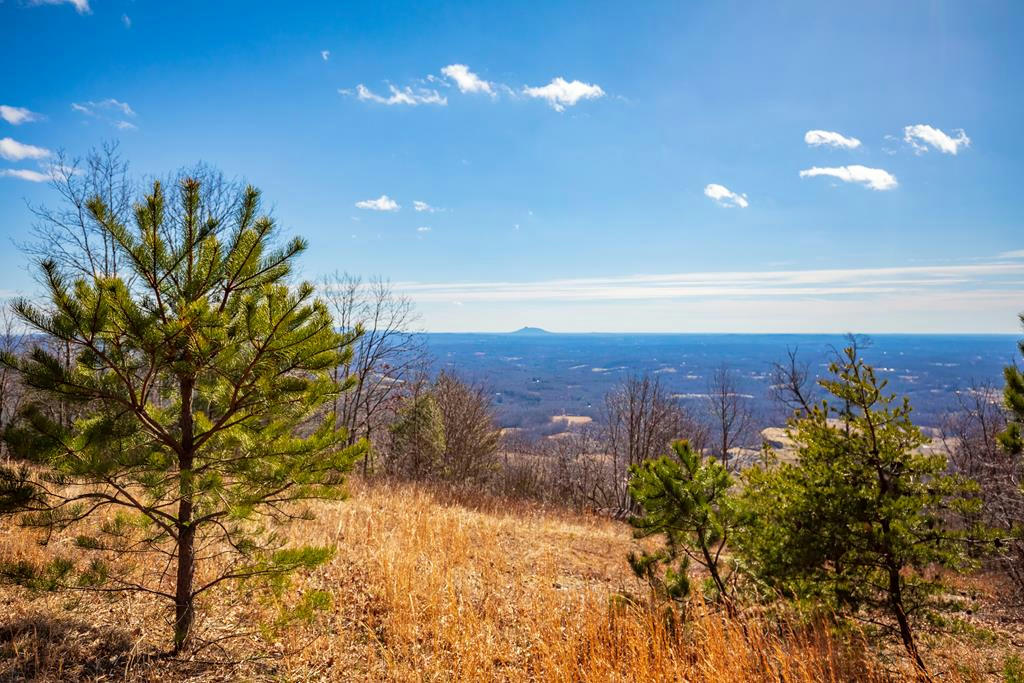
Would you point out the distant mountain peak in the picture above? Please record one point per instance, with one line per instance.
(531, 330)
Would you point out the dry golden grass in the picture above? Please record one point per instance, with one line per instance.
(423, 588)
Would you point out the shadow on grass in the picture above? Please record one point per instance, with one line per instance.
(43, 648)
(40, 647)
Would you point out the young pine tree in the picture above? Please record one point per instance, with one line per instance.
(199, 376)
(860, 520)
(417, 437)
(1012, 441)
(686, 500)
(1013, 395)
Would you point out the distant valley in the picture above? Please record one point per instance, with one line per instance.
(534, 374)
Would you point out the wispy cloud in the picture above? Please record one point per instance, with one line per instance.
(381, 203)
(81, 6)
(819, 138)
(725, 197)
(423, 228)
(405, 95)
(24, 174)
(126, 20)
(17, 115)
(875, 178)
(112, 111)
(110, 104)
(921, 136)
(325, 55)
(561, 93)
(466, 80)
(1016, 253)
(12, 150)
(423, 206)
(890, 147)
(838, 282)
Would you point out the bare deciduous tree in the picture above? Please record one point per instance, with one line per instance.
(69, 234)
(792, 386)
(969, 438)
(389, 353)
(569, 468)
(730, 418)
(470, 431)
(641, 419)
(72, 237)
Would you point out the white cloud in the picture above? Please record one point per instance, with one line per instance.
(325, 55)
(817, 138)
(81, 6)
(17, 115)
(561, 93)
(109, 111)
(749, 285)
(1016, 253)
(875, 178)
(123, 106)
(423, 206)
(382, 203)
(921, 135)
(93, 108)
(12, 150)
(404, 95)
(725, 197)
(24, 174)
(126, 20)
(467, 81)
(423, 228)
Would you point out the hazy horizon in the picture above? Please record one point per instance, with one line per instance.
(723, 333)
(535, 376)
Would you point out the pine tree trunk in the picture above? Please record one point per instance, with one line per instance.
(369, 451)
(896, 601)
(712, 566)
(893, 569)
(184, 600)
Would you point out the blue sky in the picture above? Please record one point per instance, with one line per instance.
(588, 166)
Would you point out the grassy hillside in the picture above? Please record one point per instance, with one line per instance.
(424, 588)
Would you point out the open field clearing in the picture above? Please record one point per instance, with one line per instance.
(423, 589)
